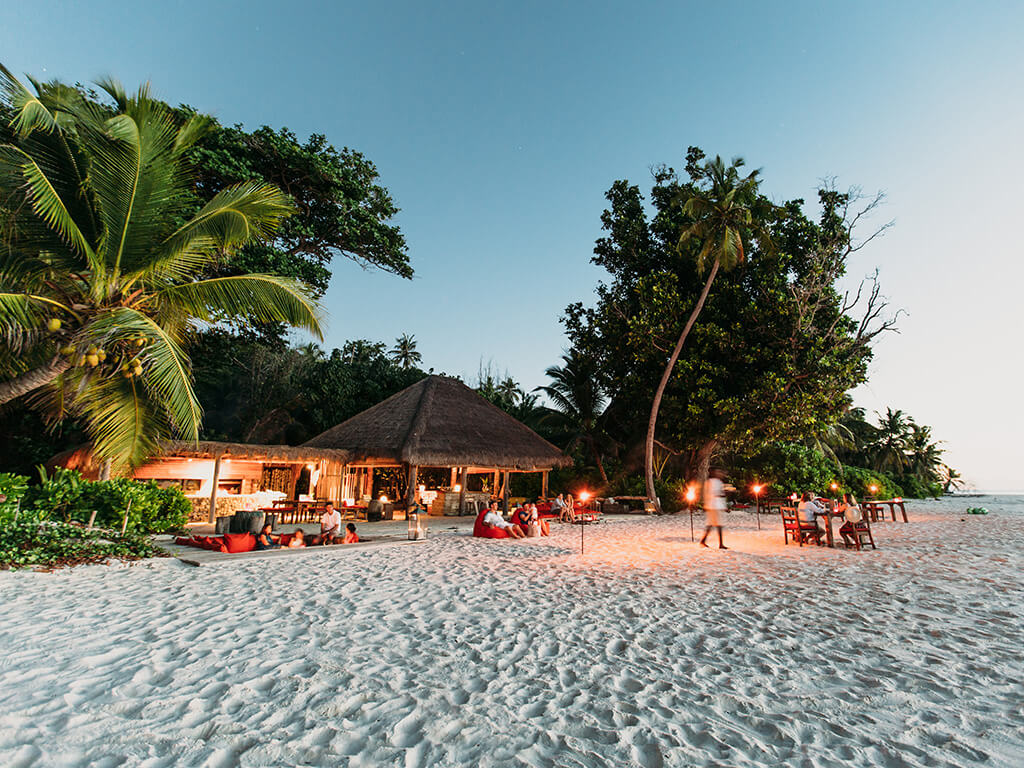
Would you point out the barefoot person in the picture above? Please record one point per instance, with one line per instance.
(714, 506)
(494, 519)
(330, 524)
(267, 540)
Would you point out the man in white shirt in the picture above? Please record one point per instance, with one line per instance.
(494, 519)
(330, 524)
(808, 509)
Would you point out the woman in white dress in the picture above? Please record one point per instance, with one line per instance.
(714, 506)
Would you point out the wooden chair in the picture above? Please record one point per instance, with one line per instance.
(793, 527)
(862, 535)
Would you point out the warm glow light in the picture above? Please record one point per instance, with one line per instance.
(309, 466)
(794, 497)
(691, 494)
(456, 488)
(834, 486)
(899, 498)
(584, 495)
(383, 499)
(757, 489)
(873, 488)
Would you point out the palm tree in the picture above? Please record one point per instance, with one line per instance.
(102, 261)
(579, 402)
(923, 457)
(889, 450)
(718, 216)
(404, 352)
(951, 479)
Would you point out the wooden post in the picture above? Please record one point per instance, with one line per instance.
(544, 484)
(213, 489)
(463, 476)
(452, 480)
(504, 492)
(410, 494)
(494, 485)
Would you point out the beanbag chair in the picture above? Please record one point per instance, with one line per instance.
(285, 538)
(482, 531)
(239, 542)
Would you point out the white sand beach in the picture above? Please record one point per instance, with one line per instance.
(646, 651)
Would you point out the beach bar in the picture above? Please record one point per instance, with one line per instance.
(437, 441)
(222, 478)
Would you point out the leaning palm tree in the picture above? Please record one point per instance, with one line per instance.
(719, 216)
(404, 352)
(579, 403)
(102, 261)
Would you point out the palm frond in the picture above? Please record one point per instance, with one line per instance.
(267, 298)
(30, 114)
(237, 215)
(167, 375)
(45, 200)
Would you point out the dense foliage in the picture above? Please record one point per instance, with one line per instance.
(105, 262)
(48, 544)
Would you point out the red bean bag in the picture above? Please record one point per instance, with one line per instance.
(482, 531)
(285, 538)
(239, 542)
(184, 541)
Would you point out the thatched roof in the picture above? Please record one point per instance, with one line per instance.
(81, 458)
(440, 422)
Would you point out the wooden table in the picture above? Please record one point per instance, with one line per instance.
(828, 515)
(878, 514)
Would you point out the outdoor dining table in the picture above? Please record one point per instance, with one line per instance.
(828, 515)
(878, 514)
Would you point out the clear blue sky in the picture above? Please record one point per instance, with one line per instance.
(498, 127)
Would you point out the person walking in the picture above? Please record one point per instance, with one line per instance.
(714, 506)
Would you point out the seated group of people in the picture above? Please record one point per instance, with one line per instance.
(518, 527)
(330, 533)
(565, 507)
(810, 508)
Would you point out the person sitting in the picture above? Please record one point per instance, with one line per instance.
(808, 510)
(568, 512)
(494, 519)
(852, 515)
(330, 524)
(558, 505)
(545, 528)
(521, 518)
(266, 540)
(351, 537)
(298, 539)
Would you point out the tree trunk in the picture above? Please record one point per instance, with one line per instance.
(597, 460)
(652, 422)
(704, 455)
(32, 380)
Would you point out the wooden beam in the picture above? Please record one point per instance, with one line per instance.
(544, 484)
(213, 488)
(410, 494)
(463, 476)
(504, 492)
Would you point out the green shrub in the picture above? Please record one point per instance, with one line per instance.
(786, 468)
(858, 481)
(51, 543)
(12, 491)
(65, 496)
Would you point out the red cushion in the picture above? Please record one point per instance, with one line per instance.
(239, 542)
(285, 538)
(482, 531)
(184, 541)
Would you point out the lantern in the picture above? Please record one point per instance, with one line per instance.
(417, 517)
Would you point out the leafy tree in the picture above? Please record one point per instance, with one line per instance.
(340, 206)
(404, 352)
(776, 348)
(578, 404)
(100, 249)
(951, 479)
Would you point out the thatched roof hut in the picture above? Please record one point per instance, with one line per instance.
(440, 422)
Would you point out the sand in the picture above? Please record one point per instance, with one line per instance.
(645, 651)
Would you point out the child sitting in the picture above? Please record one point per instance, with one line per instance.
(351, 537)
